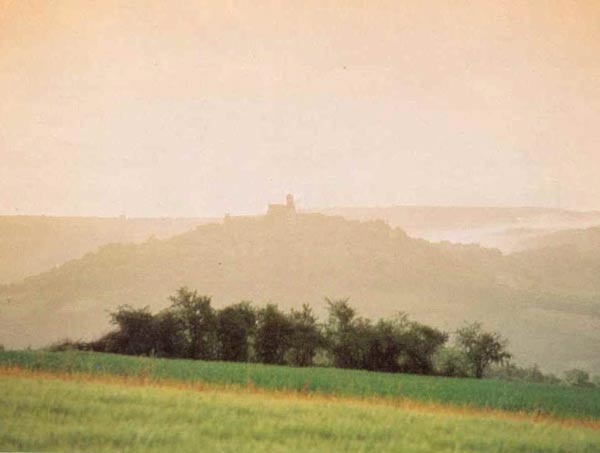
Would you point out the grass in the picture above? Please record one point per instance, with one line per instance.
(69, 413)
(554, 401)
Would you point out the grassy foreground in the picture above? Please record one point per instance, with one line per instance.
(70, 413)
(557, 401)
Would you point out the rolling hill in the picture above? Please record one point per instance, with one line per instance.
(33, 244)
(30, 245)
(304, 258)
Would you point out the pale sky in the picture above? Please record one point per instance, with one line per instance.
(183, 108)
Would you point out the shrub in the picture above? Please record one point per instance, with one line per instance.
(68, 345)
(451, 362)
(191, 328)
(235, 325)
(135, 333)
(481, 348)
(199, 323)
(512, 372)
(347, 335)
(305, 337)
(578, 378)
(273, 335)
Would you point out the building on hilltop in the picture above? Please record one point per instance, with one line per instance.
(283, 210)
(275, 212)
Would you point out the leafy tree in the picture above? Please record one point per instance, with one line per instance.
(305, 337)
(396, 345)
(451, 362)
(341, 315)
(481, 348)
(134, 334)
(273, 335)
(169, 333)
(199, 323)
(235, 325)
(385, 344)
(420, 342)
(108, 342)
(347, 335)
(401, 345)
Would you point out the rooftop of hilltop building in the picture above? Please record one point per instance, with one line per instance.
(286, 210)
(289, 208)
(286, 215)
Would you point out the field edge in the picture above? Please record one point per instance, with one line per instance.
(403, 403)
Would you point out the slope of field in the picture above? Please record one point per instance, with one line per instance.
(43, 413)
(380, 269)
(517, 397)
(33, 244)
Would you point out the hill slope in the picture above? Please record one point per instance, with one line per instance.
(566, 263)
(509, 229)
(33, 244)
(306, 259)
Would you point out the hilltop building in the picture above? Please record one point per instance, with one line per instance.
(275, 212)
(283, 210)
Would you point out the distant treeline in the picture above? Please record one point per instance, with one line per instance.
(191, 328)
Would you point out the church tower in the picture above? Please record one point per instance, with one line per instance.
(289, 203)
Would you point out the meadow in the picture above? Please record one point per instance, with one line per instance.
(42, 412)
(553, 401)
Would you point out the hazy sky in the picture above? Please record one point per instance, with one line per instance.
(185, 108)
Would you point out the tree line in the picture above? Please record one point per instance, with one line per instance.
(192, 328)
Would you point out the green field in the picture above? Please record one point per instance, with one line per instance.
(74, 414)
(556, 401)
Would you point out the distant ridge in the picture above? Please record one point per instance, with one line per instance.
(507, 228)
(33, 244)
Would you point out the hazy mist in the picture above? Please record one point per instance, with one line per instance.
(182, 108)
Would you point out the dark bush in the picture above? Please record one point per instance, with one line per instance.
(305, 337)
(273, 335)
(191, 328)
(199, 323)
(236, 324)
